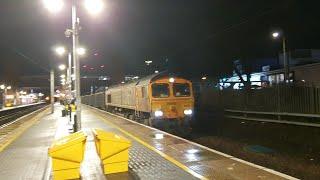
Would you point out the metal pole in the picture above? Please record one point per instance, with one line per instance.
(69, 73)
(75, 42)
(285, 61)
(52, 90)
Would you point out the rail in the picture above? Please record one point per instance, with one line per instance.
(8, 115)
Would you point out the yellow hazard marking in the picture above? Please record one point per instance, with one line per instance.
(17, 134)
(167, 157)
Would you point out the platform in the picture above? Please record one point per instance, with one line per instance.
(154, 154)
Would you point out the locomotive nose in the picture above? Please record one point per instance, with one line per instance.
(173, 108)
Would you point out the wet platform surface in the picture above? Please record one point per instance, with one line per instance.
(154, 154)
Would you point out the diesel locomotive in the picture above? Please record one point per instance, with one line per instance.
(155, 100)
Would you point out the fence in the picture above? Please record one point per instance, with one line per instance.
(290, 104)
(280, 98)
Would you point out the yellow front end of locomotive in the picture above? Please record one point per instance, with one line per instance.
(171, 98)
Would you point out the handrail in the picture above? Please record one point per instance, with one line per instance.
(274, 113)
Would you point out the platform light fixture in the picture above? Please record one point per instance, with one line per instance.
(60, 50)
(171, 80)
(148, 62)
(81, 51)
(275, 34)
(54, 6)
(62, 67)
(94, 7)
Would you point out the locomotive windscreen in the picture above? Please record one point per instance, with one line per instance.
(160, 90)
(181, 89)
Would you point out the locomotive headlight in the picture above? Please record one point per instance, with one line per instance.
(158, 113)
(187, 111)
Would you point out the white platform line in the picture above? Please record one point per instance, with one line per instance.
(205, 147)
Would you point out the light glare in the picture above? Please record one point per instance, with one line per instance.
(53, 6)
(275, 34)
(62, 67)
(81, 51)
(94, 7)
(158, 136)
(60, 50)
(158, 113)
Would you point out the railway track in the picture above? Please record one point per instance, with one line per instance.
(12, 119)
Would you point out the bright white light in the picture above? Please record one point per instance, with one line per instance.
(62, 67)
(122, 82)
(204, 78)
(73, 77)
(40, 94)
(63, 76)
(81, 51)
(22, 92)
(60, 50)
(2, 86)
(53, 6)
(148, 62)
(156, 72)
(171, 80)
(94, 7)
(192, 151)
(158, 136)
(187, 112)
(158, 113)
(275, 34)
(63, 80)
(9, 87)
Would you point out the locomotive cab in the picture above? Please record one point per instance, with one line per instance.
(171, 98)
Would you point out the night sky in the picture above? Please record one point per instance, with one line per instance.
(195, 37)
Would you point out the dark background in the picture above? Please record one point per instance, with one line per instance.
(190, 36)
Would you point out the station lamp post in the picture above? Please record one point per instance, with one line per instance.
(94, 7)
(61, 51)
(148, 63)
(277, 35)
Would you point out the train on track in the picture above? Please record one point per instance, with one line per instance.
(156, 100)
